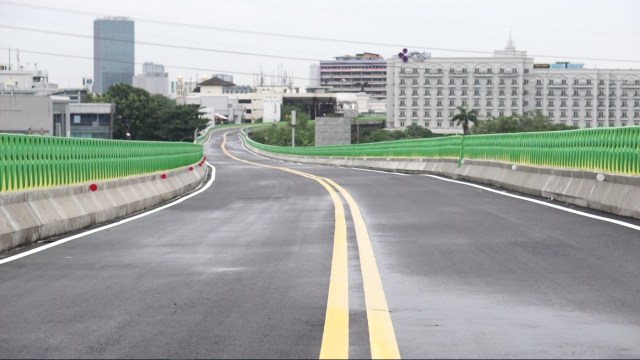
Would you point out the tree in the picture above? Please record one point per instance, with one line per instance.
(529, 121)
(465, 116)
(146, 117)
(280, 134)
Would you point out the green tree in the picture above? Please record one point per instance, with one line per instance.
(146, 117)
(280, 134)
(464, 117)
(529, 121)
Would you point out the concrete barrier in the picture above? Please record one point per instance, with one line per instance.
(29, 216)
(615, 194)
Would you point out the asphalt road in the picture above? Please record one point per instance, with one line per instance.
(243, 270)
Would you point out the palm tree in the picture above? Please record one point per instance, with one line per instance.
(465, 116)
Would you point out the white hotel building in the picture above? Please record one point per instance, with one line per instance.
(426, 91)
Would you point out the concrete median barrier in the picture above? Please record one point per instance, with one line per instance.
(29, 216)
(615, 194)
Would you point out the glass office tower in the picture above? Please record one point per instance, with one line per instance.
(113, 52)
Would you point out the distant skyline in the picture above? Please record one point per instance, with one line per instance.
(193, 38)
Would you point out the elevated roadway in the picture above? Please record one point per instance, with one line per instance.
(257, 266)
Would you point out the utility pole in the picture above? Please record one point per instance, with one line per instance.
(293, 128)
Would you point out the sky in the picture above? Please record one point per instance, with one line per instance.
(243, 37)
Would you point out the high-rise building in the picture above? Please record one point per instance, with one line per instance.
(113, 52)
(153, 79)
(362, 72)
(426, 91)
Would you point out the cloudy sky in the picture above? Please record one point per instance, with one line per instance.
(243, 37)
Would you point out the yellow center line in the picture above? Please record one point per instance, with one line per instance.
(335, 341)
(382, 338)
(335, 337)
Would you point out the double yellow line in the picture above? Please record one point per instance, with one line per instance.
(335, 338)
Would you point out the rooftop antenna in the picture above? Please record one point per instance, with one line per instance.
(510, 44)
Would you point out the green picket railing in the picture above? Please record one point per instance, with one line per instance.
(610, 150)
(30, 162)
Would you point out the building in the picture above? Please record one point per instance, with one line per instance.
(91, 120)
(153, 79)
(113, 52)
(362, 72)
(426, 90)
(28, 114)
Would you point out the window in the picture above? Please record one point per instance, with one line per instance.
(452, 82)
(452, 92)
(526, 71)
(476, 70)
(450, 124)
(415, 70)
(514, 103)
(489, 93)
(501, 103)
(612, 114)
(611, 104)
(488, 113)
(427, 82)
(550, 92)
(538, 82)
(414, 103)
(588, 114)
(600, 114)
(414, 93)
(526, 82)
(501, 113)
(514, 92)
(426, 113)
(563, 93)
(401, 102)
(550, 81)
(489, 71)
(439, 124)
(401, 123)
(401, 92)
(564, 82)
(401, 113)
(575, 103)
(575, 92)
(426, 71)
(452, 71)
(624, 103)
(477, 93)
(514, 70)
(538, 103)
(427, 92)
(464, 81)
(439, 103)
(402, 82)
(439, 71)
(588, 92)
(501, 71)
(575, 123)
(415, 81)
(538, 92)
(501, 82)
(550, 114)
(588, 103)
(489, 103)
(414, 114)
(427, 103)
(476, 82)
(501, 92)
(439, 92)
(563, 114)
(439, 114)
(464, 92)
(563, 103)
(476, 103)
(451, 103)
(588, 82)
(489, 82)
(575, 114)
(464, 102)
(514, 81)
(439, 81)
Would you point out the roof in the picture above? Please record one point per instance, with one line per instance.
(215, 81)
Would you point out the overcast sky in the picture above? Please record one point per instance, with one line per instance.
(579, 31)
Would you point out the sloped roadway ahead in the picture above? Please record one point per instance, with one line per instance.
(243, 270)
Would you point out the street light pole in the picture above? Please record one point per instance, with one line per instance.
(293, 128)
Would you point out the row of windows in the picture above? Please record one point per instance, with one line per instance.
(462, 82)
(464, 71)
(514, 103)
(588, 82)
(588, 124)
(502, 92)
(563, 114)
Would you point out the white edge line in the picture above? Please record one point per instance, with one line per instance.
(503, 192)
(500, 192)
(123, 221)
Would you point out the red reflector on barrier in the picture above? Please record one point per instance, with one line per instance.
(163, 176)
(190, 168)
(93, 187)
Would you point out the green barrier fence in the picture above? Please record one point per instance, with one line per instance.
(611, 150)
(29, 162)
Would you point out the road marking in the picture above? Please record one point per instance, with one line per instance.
(382, 337)
(109, 226)
(335, 337)
(573, 211)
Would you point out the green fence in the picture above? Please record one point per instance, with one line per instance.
(611, 150)
(28, 162)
